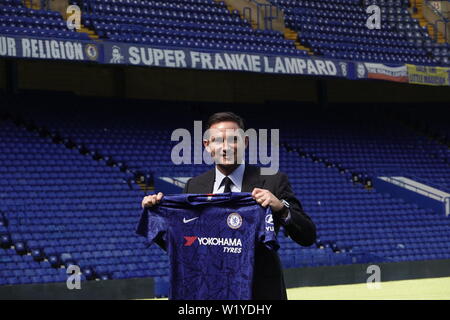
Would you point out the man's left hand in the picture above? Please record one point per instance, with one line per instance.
(266, 198)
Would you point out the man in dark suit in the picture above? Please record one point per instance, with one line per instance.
(230, 174)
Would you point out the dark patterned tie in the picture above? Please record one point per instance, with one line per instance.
(227, 182)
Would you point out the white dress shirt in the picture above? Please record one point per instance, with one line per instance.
(236, 178)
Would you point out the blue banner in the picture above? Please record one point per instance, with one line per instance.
(202, 59)
(140, 55)
(50, 48)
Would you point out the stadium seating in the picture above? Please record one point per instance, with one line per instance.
(64, 208)
(338, 30)
(17, 269)
(61, 206)
(116, 137)
(431, 123)
(188, 23)
(334, 30)
(68, 179)
(373, 147)
(354, 220)
(355, 224)
(16, 19)
(182, 23)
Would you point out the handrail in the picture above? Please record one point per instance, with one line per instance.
(429, 5)
(423, 181)
(447, 205)
(435, 34)
(267, 17)
(416, 188)
(445, 22)
(172, 180)
(390, 169)
(249, 10)
(177, 182)
(434, 25)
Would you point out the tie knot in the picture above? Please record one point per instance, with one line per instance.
(227, 183)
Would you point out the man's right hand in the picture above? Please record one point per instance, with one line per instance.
(150, 201)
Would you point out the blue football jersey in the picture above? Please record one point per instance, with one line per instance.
(210, 241)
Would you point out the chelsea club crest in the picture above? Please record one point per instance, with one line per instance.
(234, 220)
(91, 51)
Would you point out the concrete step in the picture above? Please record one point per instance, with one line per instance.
(292, 35)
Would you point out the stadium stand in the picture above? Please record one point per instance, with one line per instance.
(183, 23)
(71, 181)
(377, 226)
(39, 182)
(43, 170)
(114, 138)
(17, 269)
(373, 148)
(199, 24)
(431, 123)
(17, 19)
(338, 30)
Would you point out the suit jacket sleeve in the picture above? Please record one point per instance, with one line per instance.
(300, 227)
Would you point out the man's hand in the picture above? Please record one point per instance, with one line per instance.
(150, 201)
(266, 198)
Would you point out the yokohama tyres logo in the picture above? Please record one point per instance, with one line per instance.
(230, 245)
(189, 241)
(203, 241)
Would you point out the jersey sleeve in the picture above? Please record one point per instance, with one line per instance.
(266, 232)
(151, 225)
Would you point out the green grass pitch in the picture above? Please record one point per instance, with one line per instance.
(418, 289)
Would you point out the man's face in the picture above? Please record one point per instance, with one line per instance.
(226, 143)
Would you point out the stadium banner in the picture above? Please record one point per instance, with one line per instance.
(433, 76)
(141, 55)
(396, 73)
(49, 48)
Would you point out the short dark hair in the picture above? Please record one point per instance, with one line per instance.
(225, 116)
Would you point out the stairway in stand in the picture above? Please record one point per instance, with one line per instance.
(292, 35)
(36, 4)
(423, 22)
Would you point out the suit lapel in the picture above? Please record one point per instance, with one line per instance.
(206, 184)
(252, 179)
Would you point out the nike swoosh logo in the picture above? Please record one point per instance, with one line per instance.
(188, 220)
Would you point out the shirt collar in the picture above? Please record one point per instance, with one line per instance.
(236, 176)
